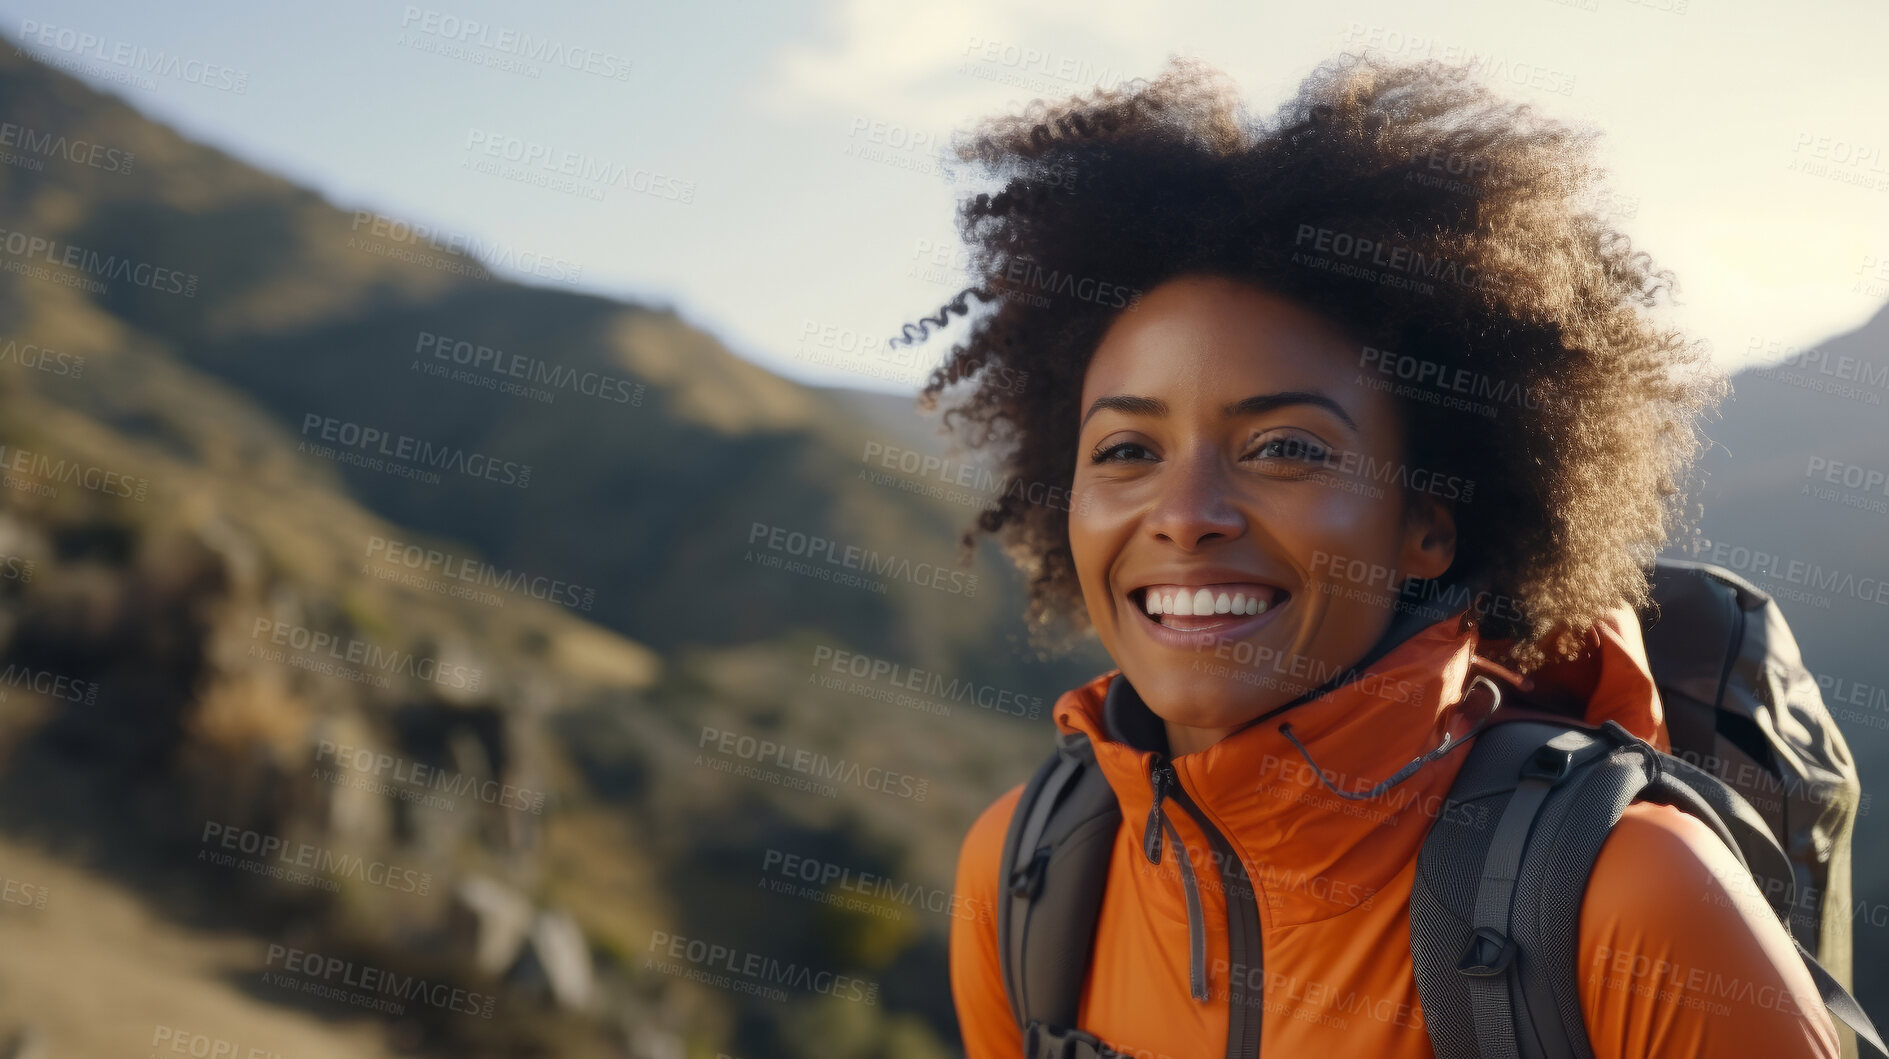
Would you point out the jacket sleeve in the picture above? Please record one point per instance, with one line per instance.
(977, 985)
(1681, 955)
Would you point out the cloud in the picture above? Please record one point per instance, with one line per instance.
(940, 68)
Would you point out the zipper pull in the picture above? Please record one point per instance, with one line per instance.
(1162, 777)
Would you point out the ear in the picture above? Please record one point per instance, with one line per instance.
(1429, 545)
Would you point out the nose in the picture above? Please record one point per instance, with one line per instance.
(1194, 502)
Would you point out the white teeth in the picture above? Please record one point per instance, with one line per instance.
(1189, 602)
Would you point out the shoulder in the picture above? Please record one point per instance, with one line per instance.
(1681, 954)
(985, 1022)
(1652, 840)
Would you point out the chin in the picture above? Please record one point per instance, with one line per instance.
(1214, 696)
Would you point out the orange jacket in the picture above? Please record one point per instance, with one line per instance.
(1680, 956)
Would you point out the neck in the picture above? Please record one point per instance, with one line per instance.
(1185, 740)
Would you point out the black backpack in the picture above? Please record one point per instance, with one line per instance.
(1492, 911)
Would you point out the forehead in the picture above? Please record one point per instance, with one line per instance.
(1216, 335)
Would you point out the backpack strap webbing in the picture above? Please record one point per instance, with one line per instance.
(1053, 869)
(1840, 1002)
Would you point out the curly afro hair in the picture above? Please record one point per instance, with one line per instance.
(1444, 228)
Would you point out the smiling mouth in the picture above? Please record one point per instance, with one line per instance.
(1205, 608)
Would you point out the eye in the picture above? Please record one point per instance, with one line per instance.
(1293, 447)
(1121, 452)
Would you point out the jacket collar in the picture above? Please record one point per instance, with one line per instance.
(1273, 800)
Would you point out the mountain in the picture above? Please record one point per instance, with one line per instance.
(565, 563)
(643, 490)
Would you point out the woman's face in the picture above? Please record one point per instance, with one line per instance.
(1237, 470)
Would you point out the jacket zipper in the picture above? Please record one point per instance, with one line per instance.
(1242, 903)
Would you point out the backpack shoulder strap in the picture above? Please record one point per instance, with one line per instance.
(1054, 867)
(1467, 943)
(1504, 868)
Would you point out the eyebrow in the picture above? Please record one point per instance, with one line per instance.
(1131, 404)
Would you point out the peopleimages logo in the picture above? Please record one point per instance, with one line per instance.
(931, 475)
(504, 40)
(305, 640)
(48, 683)
(378, 764)
(321, 974)
(759, 970)
(876, 891)
(55, 145)
(403, 455)
(280, 858)
(203, 1046)
(82, 44)
(737, 746)
(487, 254)
(29, 247)
(24, 894)
(40, 470)
(926, 682)
(1392, 258)
(1024, 59)
(812, 546)
(1031, 282)
(472, 571)
(580, 166)
(537, 375)
(1269, 667)
(1473, 386)
(1795, 575)
(1816, 369)
(1848, 475)
(1372, 582)
(39, 358)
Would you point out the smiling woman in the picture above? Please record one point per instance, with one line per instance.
(1505, 317)
(1191, 501)
(1359, 443)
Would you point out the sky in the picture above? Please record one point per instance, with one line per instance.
(779, 185)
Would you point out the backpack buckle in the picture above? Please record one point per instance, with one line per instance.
(1063, 1042)
(1548, 762)
(1554, 759)
(1489, 954)
(1027, 880)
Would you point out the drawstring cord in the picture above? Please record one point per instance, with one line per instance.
(1160, 825)
(1448, 744)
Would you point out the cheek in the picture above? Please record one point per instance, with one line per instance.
(1345, 518)
(1095, 533)
(1101, 526)
(1345, 538)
